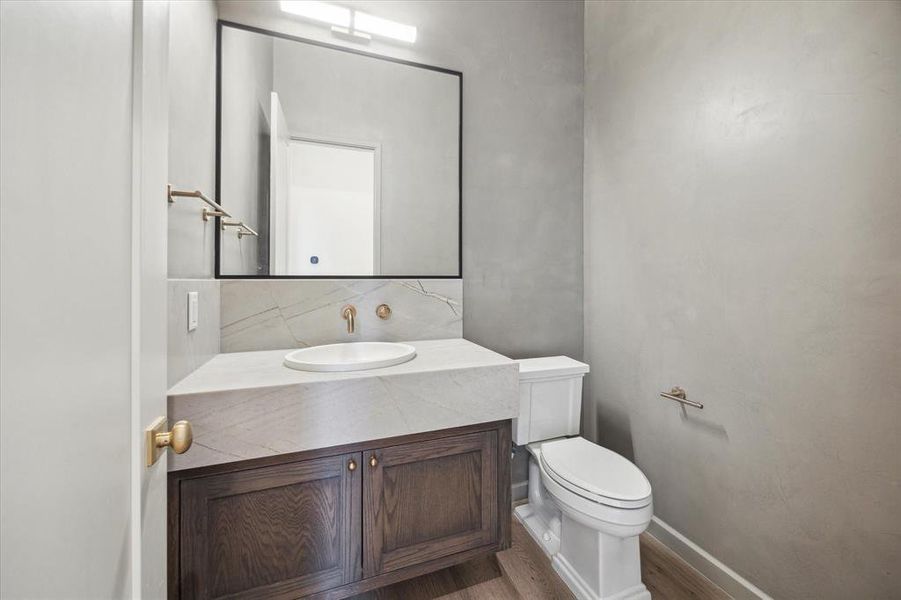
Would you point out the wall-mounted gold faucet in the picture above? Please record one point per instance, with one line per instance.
(349, 314)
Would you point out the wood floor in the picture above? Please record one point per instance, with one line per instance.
(524, 573)
(668, 577)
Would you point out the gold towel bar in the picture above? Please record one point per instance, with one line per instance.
(217, 211)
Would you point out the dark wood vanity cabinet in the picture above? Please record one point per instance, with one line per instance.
(430, 499)
(332, 523)
(281, 531)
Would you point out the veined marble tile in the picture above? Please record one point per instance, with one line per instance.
(270, 314)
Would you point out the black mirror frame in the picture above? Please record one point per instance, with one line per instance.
(220, 24)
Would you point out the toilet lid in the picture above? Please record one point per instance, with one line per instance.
(596, 473)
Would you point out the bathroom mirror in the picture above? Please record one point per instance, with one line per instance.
(332, 171)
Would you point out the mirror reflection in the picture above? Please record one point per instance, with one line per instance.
(339, 173)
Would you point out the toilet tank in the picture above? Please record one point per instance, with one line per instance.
(550, 399)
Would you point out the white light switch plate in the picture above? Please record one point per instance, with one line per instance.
(192, 311)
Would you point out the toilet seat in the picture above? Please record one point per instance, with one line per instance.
(595, 473)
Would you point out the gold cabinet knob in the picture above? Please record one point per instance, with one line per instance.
(178, 439)
(373, 461)
(351, 465)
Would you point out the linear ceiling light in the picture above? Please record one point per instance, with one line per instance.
(318, 11)
(383, 27)
(354, 23)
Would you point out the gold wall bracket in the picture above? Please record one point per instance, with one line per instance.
(242, 228)
(208, 214)
(157, 438)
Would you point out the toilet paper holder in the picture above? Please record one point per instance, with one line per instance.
(678, 394)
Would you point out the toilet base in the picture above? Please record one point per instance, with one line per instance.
(540, 517)
(599, 566)
(539, 529)
(583, 591)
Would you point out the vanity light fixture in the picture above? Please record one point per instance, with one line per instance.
(323, 12)
(383, 27)
(355, 25)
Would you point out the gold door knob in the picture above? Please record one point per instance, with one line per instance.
(373, 461)
(178, 439)
(351, 465)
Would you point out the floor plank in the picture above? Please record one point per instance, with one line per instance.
(668, 577)
(524, 573)
(529, 570)
(474, 580)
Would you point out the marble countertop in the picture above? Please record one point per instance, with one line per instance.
(247, 405)
(261, 369)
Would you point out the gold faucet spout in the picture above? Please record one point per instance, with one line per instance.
(349, 314)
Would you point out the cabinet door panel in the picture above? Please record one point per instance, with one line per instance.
(281, 531)
(426, 500)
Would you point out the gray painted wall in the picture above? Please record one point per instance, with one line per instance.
(247, 70)
(522, 156)
(413, 115)
(192, 134)
(65, 299)
(188, 350)
(743, 202)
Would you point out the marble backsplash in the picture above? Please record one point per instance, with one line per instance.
(271, 314)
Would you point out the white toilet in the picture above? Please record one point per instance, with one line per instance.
(587, 504)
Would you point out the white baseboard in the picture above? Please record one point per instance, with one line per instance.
(732, 583)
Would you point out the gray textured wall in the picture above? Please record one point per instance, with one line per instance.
(743, 204)
(522, 156)
(192, 134)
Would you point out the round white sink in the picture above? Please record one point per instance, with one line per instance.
(353, 356)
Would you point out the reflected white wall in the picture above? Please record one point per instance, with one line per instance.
(331, 215)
